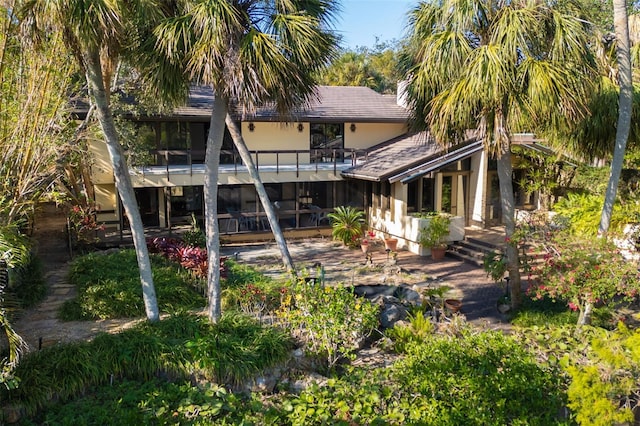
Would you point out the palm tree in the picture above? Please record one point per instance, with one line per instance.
(625, 106)
(250, 52)
(496, 67)
(97, 31)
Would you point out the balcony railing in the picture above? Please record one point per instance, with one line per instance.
(188, 161)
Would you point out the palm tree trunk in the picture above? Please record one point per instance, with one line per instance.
(212, 163)
(238, 140)
(508, 213)
(585, 314)
(625, 103)
(122, 180)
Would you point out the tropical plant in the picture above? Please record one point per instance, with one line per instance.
(625, 103)
(97, 34)
(347, 225)
(433, 234)
(582, 272)
(107, 287)
(604, 389)
(332, 321)
(250, 53)
(496, 67)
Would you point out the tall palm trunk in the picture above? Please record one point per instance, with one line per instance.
(625, 105)
(122, 180)
(212, 164)
(238, 140)
(508, 213)
(625, 102)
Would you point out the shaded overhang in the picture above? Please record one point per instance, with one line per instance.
(527, 141)
(438, 162)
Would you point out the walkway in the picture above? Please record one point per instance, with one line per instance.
(341, 265)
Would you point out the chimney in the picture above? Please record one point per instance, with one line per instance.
(401, 93)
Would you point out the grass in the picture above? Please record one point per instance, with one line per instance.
(180, 347)
(109, 287)
(543, 312)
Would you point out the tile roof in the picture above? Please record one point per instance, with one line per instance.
(394, 156)
(400, 155)
(330, 104)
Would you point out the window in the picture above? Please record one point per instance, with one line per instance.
(327, 142)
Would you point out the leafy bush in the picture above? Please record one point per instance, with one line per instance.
(332, 321)
(181, 346)
(417, 330)
(478, 379)
(604, 390)
(195, 236)
(109, 287)
(583, 272)
(194, 259)
(583, 213)
(347, 225)
(154, 402)
(237, 348)
(28, 286)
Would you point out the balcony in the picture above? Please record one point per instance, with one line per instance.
(190, 162)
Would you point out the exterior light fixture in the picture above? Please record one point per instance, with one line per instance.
(353, 127)
(252, 127)
(300, 127)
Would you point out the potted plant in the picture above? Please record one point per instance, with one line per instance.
(390, 243)
(433, 235)
(368, 237)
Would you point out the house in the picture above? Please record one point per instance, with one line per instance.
(350, 146)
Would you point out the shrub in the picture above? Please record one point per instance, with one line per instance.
(604, 390)
(417, 330)
(583, 272)
(347, 225)
(477, 379)
(109, 287)
(237, 348)
(28, 285)
(154, 402)
(332, 321)
(180, 346)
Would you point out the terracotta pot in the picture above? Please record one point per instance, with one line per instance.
(437, 253)
(454, 305)
(365, 248)
(391, 244)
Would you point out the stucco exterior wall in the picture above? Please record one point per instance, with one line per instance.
(367, 135)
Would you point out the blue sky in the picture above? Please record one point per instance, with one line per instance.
(361, 21)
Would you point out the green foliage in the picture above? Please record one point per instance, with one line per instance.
(195, 236)
(543, 312)
(348, 225)
(333, 321)
(237, 348)
(27, 285)
(417, 330)
(583, 213)
(109, 287)
(179, 346)
(239, 275)
(477, 379)
(371, 67)
(433, 235)
(254, 299)
(584, 271)
(605, 389)
(495, 265)
(155, 402)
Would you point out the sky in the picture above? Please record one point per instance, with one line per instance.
(361, 21)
